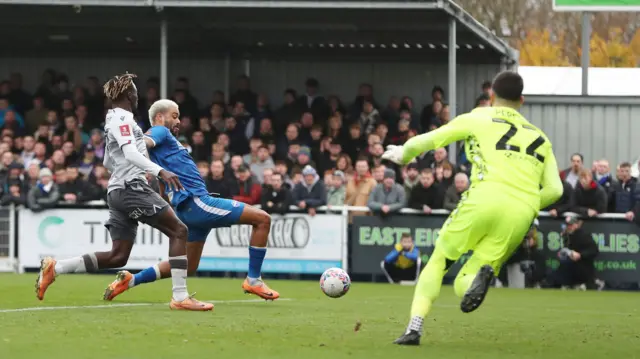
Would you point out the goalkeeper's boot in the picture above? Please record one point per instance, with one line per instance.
(46, 276)
(118, 286)
(259, 288)
(474, 296)
(412, 337)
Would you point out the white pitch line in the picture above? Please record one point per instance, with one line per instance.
(123, 305)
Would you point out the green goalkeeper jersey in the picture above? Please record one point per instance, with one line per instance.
(504, 149)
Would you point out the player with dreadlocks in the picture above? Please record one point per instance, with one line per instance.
(130, 200)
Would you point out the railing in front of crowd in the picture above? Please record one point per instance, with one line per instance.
(304, 244)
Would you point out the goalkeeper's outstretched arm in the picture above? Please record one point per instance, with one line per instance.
(456, 130)
(551, 183)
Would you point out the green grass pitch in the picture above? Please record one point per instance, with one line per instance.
(510, 324)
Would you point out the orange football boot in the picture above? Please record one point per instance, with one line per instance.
(260, 289)
(191, 304)
(46, 276)
(118, 286)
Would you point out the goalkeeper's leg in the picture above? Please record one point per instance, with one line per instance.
(427, 290)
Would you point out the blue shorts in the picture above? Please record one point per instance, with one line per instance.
(202, 214)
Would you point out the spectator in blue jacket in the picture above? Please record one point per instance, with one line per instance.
(402, 263)
(311, 192)
(624, 189)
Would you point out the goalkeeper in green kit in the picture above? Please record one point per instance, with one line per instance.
(511, 161)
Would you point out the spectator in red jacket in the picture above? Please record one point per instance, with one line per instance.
(248, 190)
(590, 197)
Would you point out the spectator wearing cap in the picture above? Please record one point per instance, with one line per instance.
(88, 161)
(313, 103)
(14, 194)
(14, 175)
(454, 193)
(304, 157)
(45, 194)
(248, 190)
(336, 191)
(426, 195)
(310, 193)
(590, 197)
(577, 257)
(276, 198)
(571, 175)
(262, 162)
(387, 197)
(411, 177)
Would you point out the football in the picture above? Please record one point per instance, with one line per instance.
(335, 282)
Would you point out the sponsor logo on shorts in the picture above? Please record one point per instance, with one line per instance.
(291, 232)
(136, 213)
(125, 130)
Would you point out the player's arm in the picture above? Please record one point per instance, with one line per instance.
(162, 192)
(107, 162)
(123, 133)
(456, 130)
(551, 183)
(155, 136)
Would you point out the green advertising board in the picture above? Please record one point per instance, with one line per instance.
(596, 5)
(372, 237)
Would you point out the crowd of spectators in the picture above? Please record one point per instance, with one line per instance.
(309, 152)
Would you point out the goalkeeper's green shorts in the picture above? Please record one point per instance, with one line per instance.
(490, 223)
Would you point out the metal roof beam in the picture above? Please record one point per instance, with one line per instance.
(480, 30)
(389, 5)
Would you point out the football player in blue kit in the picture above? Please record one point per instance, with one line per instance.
(196, 208)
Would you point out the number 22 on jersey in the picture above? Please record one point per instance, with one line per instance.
(511, 141)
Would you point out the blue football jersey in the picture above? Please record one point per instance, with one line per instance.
(170, 154)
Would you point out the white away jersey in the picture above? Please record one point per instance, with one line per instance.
(121, 129)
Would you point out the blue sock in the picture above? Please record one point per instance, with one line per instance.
(256, 256)
(146, 276)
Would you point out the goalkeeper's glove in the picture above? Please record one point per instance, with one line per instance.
(394, 154)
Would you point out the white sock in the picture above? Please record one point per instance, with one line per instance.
(71, 265)
(416, 324)
(179, 277)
